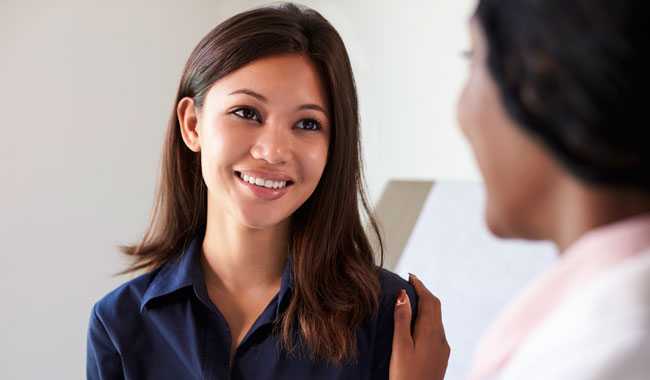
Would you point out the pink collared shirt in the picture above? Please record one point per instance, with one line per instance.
(581, 263)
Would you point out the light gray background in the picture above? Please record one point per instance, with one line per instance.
(87, 88)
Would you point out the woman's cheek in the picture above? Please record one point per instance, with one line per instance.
(317, 161)
(214, 153)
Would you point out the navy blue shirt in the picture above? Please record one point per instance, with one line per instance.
(162, 325)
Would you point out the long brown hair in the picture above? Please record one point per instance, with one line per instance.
(336, 283)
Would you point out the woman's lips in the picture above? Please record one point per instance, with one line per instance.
(262, 192)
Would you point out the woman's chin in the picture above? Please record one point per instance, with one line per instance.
(261, 220)
(496, 224)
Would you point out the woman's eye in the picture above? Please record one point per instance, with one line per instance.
(247, 113)
(308, 124)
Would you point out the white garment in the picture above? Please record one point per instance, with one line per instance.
(600, 331)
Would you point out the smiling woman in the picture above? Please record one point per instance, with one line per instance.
(257, 262)
(262, 126)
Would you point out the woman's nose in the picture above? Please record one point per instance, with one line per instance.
(273, 145)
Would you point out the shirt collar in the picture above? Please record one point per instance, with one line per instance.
(612, 242)
(185, 271)
(178, 273)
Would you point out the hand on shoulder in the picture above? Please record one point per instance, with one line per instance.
(425, 353)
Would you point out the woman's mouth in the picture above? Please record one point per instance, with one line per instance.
(265, 188)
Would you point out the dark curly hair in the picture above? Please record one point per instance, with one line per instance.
(575, 74)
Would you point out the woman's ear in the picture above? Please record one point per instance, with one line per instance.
(188, 120)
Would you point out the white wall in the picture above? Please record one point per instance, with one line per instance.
(87, 89)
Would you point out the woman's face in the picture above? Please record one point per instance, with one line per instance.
(518, 174)
(263, 134)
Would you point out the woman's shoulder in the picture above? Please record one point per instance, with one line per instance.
(116, 317)
(124, 300)
(391, 285)
(381, 326)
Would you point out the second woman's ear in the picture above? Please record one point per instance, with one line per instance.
(188, 121)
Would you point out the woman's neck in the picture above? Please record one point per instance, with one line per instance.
(585, 208)
(241, 257)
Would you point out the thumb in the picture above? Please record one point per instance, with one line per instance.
(402, 340)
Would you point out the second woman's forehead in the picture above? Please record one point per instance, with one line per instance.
(289, 80)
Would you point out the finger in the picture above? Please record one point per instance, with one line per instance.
(402, 341)
(429, 320)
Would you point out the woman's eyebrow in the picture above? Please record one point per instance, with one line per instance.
(252, 93)
(314, 107)
(262, 98)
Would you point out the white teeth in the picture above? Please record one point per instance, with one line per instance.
(270, 184)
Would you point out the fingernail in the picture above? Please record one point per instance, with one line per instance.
(401, 299)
